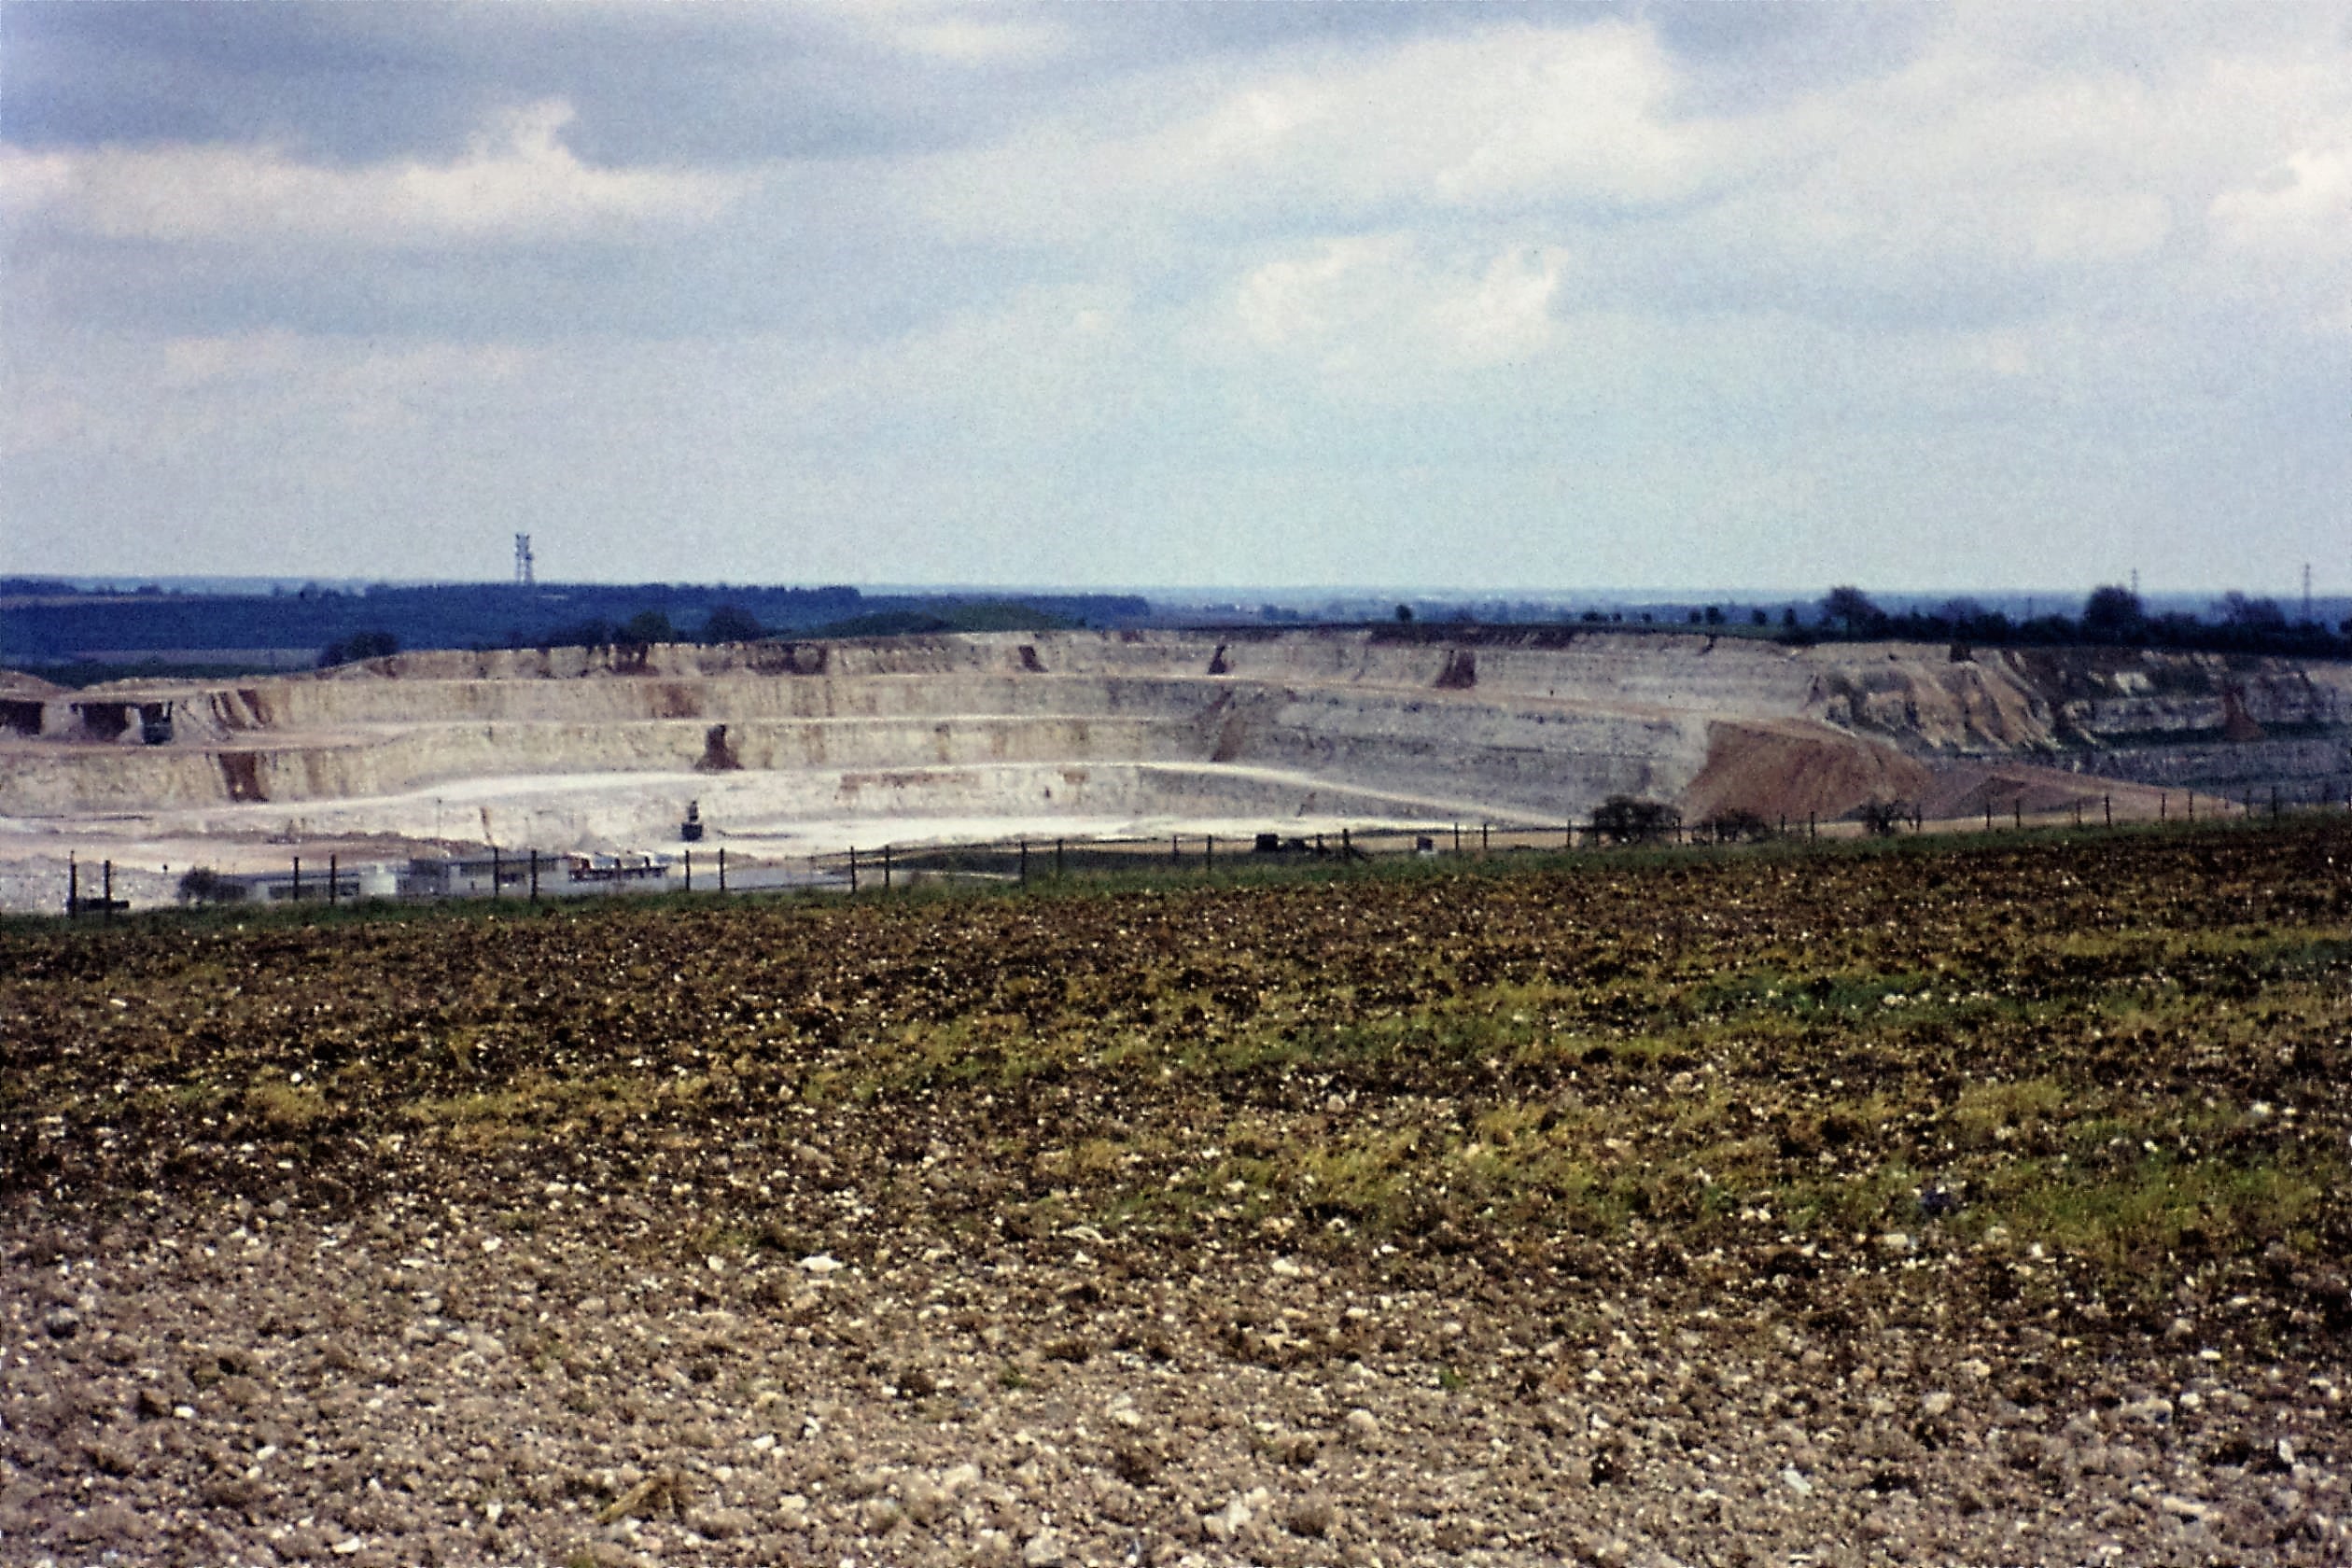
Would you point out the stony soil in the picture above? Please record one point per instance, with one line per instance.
(1978, 1205)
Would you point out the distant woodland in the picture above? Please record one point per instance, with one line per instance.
(78, 635)
(45, 622)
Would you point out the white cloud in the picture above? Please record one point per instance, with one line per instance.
(1251, 314)
(30, 181)
(1344, 285)
(970, 41)
(1583, 116)
(518, 181)
(1381, 317)
(1502, 120)
(1961, 163)
(2303, 203)
(960, 35)
(1974, 170)
(1507, 317)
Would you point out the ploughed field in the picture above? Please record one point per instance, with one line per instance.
(1978, 1203)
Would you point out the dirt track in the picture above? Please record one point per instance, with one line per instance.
(1983, 1206)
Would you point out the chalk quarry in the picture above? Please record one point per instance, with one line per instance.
(795, 749)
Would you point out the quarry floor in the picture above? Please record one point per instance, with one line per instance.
(151, 852)
(1977, 1203)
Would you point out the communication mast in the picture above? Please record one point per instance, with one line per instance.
(524, 576)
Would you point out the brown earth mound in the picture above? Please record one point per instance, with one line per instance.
(1798, 770)
(1969, 789)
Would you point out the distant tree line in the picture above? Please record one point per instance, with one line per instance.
(725, 623)
(53, 623)
(2112, 616)
(734, 623)
(358, 645)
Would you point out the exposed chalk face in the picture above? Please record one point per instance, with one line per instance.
(975, 736)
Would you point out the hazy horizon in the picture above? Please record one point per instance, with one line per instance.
(2048, 599)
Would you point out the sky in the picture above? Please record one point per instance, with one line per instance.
(1487, 296)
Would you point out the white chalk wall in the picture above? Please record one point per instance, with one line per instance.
(605, 743)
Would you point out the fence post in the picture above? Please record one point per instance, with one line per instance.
(1812, 828)
(722, 868)
(2078, 810)
(689, 871)
(109, 891)
(2192, 806)
(72, 884)
(534, 876)
(1988, 813)
(1208, 852)
(1486, 837)
(1175, 853)
(334, 873)
(1347, 848)
(498, 871)
(853, 868)
(886, 866)
(1058, 860)
(298, 882)
(2107, 802)
(2017, 813)
(1457, 838)
(1025, 862)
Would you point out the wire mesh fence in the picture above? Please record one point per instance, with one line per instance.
(541, 876)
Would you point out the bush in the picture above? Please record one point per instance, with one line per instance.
(2112, 613)
(1851, 608)
(1736, 827)
(1883, 819)
(646, 627)
(731, 624)
(595, 632)
(204, 884)
(358, 646)
(1623, 820)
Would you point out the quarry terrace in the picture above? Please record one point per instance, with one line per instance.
(790, 751)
